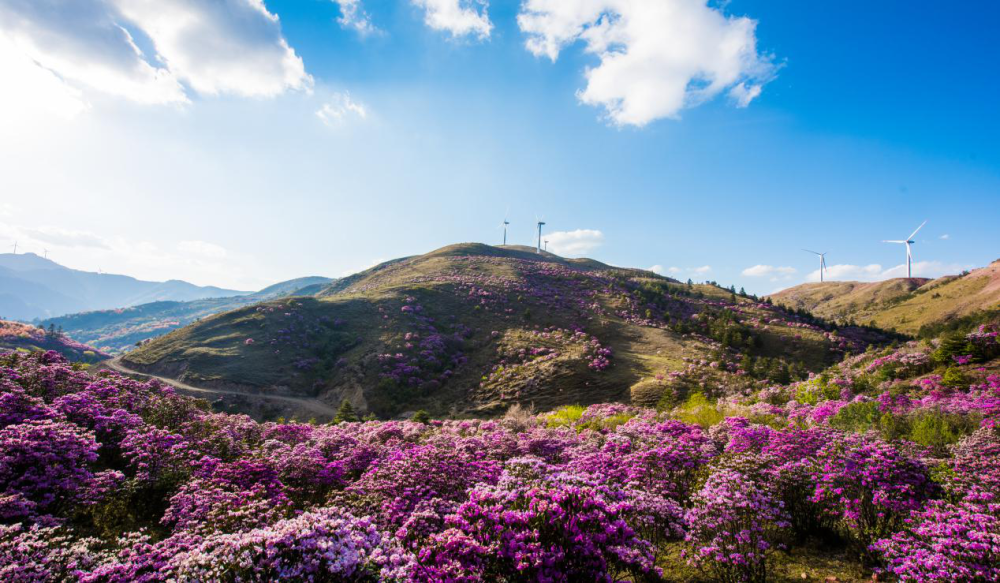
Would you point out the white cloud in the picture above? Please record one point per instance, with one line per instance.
(575, 242)
(657, 269)
(657, 57)
(203, 249)
(875, 272)
(30, 90)
(701, 270)
(61, 47)
(353, 15)
(339, 108)
(674, 270)
(768, 271)
(458, 17)
(945, 237)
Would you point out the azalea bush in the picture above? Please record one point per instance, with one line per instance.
(106, 479)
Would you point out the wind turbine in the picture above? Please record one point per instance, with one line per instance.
(540, 223)
(15, 247)
(546, 248)
(822, 262)
(46, 256)
(909, 253)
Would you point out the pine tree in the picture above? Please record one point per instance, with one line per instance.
(345, 413)
(421, 416)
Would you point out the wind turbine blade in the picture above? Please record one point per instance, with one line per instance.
(915, 232)
(894, 241)
(813, 252)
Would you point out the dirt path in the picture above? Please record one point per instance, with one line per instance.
(312, 405)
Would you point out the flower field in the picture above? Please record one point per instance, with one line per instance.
(886, 462)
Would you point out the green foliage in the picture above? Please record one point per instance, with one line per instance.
(697, 409)
(564, 416)
(859, 417)
(954, 344)
(345, 413)
(938, 429)
(954, 377)
(421, 416)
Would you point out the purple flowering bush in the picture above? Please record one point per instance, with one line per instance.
(734, 525)
(105, 479)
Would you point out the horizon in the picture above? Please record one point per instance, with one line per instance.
(705, 280)
(322, 138)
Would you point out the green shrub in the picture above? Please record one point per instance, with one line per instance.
(938, 429)
(564, 416)
(859, 417)
(697, 409)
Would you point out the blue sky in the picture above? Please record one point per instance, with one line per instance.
(258, 149)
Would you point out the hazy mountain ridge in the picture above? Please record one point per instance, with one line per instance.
(117, 330)
(902, 304)
(32, 287)
(476, 328)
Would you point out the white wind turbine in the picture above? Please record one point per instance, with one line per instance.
(909, 253)
(541, 223)
(822, 262)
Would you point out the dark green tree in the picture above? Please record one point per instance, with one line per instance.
(421, 416)
(346, 413)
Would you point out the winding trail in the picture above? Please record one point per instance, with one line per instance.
(313, 405)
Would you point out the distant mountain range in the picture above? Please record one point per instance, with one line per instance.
(909, 305)
(32, 287)
(117, 330)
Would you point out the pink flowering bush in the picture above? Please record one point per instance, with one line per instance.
(945, 542)
(734, 525)
(869, 486)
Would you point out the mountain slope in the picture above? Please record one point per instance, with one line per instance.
(25, 337)
(906, 305)
(115, 331)
(32, 287)
(472, 329)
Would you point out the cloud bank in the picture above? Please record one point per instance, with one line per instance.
(460, 18)
(151, 52)
(576, 242)
(657, 57)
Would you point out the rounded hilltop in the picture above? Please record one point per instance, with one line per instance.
(472, 329)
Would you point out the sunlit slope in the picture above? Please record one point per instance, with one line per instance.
(902, 304)
(474, 328)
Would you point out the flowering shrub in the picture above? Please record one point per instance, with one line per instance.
(108, 479)
(946, 542)
(870, 486)
(733, 526)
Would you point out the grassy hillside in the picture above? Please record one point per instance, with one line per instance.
(472, 329)
(906, 305)
(28, 338)
(117, 331)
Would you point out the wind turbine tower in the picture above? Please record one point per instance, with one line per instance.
(822, 262)
(15, 247)
(505, 223)
(540, 223)
(909, 252)
(546, 248)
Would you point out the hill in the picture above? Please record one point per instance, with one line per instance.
(28, 338)
(914, 306)
(471, 329)
(32, 287)
(118, 330)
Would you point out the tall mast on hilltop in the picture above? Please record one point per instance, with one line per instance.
(822, 262)
(909, 253)
(540, 223)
